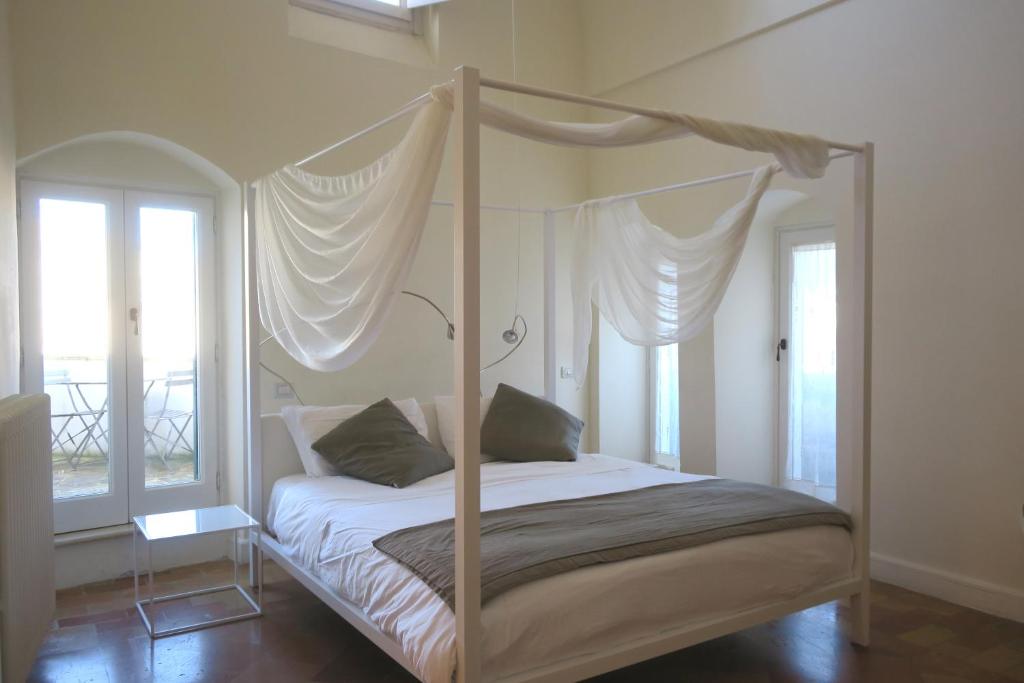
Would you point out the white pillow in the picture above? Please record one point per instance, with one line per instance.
(445, 406)
(306, 424)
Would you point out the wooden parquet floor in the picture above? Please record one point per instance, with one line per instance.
(97, 636)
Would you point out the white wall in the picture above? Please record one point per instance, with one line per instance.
(116, 162)
(937, 86)
(136, 162)
(935, 83)
(745, 368)
(272, 98)
(9, 349)
(412, 356)
(239, 84)
(622, 398)
(622, 46)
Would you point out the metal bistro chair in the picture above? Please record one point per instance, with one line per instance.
(176, 421)
(72, 432)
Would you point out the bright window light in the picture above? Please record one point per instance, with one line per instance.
(666, 403)
(396, 15)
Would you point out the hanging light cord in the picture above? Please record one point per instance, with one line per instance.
(518, 343)
(281, 377)
(519, 175)
(450, 334)
(517, 320)
(451, 325)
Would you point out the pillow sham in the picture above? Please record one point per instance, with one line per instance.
(381, 446)
(445, 407)
(525, 428)
(306, 424)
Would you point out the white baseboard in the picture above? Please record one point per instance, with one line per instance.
(105, 558)
(991, 598)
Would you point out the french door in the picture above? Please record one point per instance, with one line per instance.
(118, 327)
(806, 355)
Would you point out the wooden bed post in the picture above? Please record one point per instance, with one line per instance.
(860, 424)
(467, 374)
(253, 445)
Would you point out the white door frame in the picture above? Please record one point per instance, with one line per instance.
(786, 238)
(112, 507)
(203, 492)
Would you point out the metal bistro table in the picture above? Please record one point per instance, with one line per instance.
(168, 525)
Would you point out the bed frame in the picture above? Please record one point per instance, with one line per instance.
(265, 434)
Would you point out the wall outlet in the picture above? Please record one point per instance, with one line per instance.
(283, 391)
(566, 373)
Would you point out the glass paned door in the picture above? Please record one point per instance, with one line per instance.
(171, 343)
(167, 266)
(118, 328)
(807, 361)
(72, 249)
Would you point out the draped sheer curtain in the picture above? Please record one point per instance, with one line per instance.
(654, 288)
(811, 457)
(334, 251)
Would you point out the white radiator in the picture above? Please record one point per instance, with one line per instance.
(27, 596)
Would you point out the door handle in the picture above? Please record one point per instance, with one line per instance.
(778, 349)
(133, 315)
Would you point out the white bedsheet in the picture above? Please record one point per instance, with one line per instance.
(328, 526)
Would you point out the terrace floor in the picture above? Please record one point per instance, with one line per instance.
(91, 476)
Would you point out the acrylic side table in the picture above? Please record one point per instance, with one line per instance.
(186, 523)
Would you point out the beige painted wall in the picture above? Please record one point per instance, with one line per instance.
(9, 353)
(937, 86)
(621, 46)
(227, 81)
(230, 82)
(622, 400)
(745, 370)
(136, 163)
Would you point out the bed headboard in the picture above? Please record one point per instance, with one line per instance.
(280, 458)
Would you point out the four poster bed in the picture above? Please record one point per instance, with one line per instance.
(331, 533)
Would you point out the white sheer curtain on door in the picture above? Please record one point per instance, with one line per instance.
(811, 460)
(666, 403)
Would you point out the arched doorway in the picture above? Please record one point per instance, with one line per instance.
(130, 267)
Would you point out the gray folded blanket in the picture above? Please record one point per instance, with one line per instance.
(530, 542)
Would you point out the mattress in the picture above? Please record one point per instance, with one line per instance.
(327, 525)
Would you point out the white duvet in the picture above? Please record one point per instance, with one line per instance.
(328, 526)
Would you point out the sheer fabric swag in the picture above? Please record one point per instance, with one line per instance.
(654, 288)
(334, 252)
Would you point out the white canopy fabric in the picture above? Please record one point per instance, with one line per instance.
(334, 252)
(654, 288)
(802, 156)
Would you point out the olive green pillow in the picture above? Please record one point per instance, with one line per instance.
(380, 445)
(522, 427)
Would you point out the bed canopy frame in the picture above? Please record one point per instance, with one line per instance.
(853, 428)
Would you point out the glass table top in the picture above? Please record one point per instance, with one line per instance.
(193, 522)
